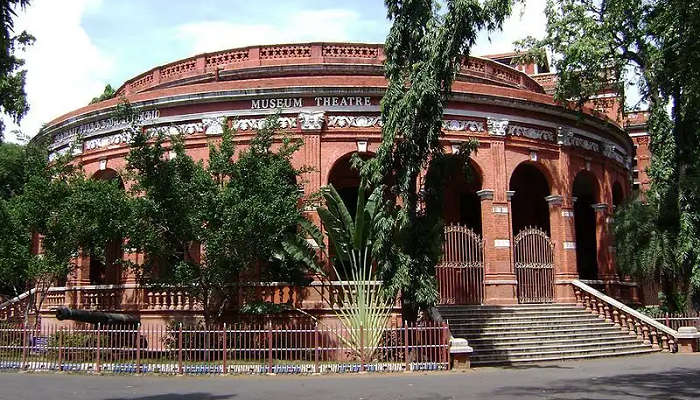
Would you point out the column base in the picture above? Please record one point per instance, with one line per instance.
(500, 292)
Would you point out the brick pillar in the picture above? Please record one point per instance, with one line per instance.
(563, 235)
(606, 268)
(499, 277)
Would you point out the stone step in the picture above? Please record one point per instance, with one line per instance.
(509, 308)
(526, 340)
(556, 353)
(583, 325)
(524, 314)
(473, 335)
(514, 321)
(561, 357)
(549, 347)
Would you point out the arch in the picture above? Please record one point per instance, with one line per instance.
(346, 179)
(461, 204)
(618, 195)
(107, 270)
(586, 194)
(530, 188)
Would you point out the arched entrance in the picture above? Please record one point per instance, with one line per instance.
(533, 253)
(107, 270)
(618, 196)
(460, 274)
(528, 205)
(346, 180)
(585, 193)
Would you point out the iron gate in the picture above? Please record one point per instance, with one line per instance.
(460, 274)
(533, 253)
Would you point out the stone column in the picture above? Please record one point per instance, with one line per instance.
(499, 278)
(563, 236)
(606, 269)
(310, 125)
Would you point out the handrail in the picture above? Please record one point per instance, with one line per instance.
(16, 299)
(624, 308)
(644, 327)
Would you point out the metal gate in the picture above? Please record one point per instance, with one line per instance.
(533, 254)
(460, 274)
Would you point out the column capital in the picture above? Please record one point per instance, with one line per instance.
(600, 207)
(510, 194)
(311, 121)
(554, 200)
(485, 194)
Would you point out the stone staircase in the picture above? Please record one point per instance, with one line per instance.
(518, 334)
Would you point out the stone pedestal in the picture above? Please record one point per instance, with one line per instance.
(460, 353)
(688, 337)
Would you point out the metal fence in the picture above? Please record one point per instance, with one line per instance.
(677, 320)
(225, 349)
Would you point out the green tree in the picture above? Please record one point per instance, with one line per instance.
(13, 99)
(107, 94)
(239, 211)
(424, 51)
(651, 45)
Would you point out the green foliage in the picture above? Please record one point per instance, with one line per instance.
(239, 210)
(613, 44)
(424, 51)
(361, 303)
(107, 94)
(13, 99)
(263, 308)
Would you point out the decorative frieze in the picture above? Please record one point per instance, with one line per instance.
(214, 126)
(188, 128)
(103, 125)
(568, 138)
(354, 121)
(463, 125)
(497, 127)
(531, 133)
(311, 121)
(107, 141)
(254, 124)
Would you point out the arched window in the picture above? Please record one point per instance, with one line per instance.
(585, 193)
(346, 180)
(528, 205)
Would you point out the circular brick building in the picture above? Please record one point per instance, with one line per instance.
(535, 216)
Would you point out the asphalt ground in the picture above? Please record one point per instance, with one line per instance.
(656, 376)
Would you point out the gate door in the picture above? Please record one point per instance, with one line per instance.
(533, 254)
(460, 274)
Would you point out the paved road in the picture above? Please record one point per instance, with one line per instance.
(654, 376)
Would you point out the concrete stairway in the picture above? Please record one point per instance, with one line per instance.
(505, 335)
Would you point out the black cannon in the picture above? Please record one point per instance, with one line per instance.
(96, 317)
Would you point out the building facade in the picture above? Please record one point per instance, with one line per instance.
(535, 216)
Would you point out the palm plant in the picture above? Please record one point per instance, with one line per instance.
(360, 304)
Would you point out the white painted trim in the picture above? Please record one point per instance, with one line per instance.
(648, 320)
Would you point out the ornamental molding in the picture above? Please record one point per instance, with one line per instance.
(107, 141)
(188, 128)
(463, 125)
(214, 126)
(497, 127)
(359, 121)
(312, 120)
(569, 138)
(254, 124)
(531, 133)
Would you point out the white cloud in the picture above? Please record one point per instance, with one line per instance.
(64, 68)
(527, 19)
(303, 26)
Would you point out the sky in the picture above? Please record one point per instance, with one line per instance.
(82, 45)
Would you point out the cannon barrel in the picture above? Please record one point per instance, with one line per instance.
(96, 317)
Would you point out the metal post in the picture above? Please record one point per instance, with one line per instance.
(60, 350)
(362, 348)
(446, 344)
(24, 346)
(269, 341)
(179, 350)
(138, 348)
(316, 347)
(405, 344)
(98, 367)
(225, 349)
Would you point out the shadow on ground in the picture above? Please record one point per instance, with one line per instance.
(178, 396)
(678, 383)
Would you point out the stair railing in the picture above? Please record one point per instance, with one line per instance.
(645, 328)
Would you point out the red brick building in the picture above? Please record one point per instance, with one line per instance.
(547, 177)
